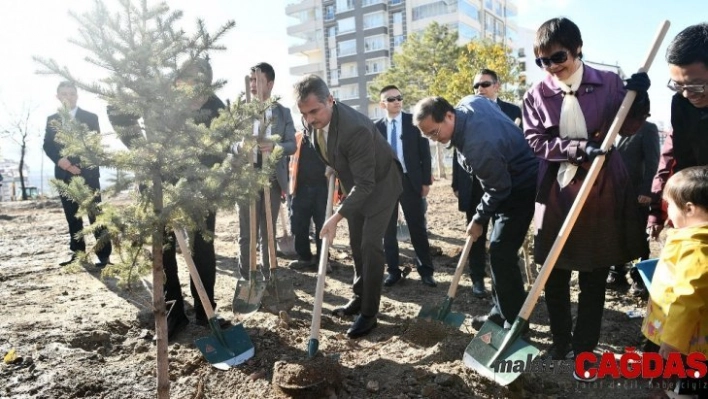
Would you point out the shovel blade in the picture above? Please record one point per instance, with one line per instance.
(226, 348)
(484, 347)
(402, 232)
(248, 295)
(279, 293)
(442, 313)
(286, 245)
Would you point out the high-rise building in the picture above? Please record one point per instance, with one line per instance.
(349, 42)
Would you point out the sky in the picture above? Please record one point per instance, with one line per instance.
(614, 32)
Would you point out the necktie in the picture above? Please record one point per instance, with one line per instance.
(394, 139)
(322, 144)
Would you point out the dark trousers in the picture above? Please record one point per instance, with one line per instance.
(205, 261)
(413, 205)
(244, 225)
(308, 203)
(76, 224)
(510, 223)
(591, 304)
(478, 253)
(366, 239)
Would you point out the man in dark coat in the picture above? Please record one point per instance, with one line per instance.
(66, 167)
(413, 152)
(370, 175)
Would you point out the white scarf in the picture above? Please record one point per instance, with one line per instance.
(572, 121)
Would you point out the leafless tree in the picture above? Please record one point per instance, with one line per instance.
(19, 129)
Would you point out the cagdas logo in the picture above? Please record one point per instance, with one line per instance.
(646, 365)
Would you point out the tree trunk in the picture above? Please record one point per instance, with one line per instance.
(158, 296)
(441, 161)
(23, 149)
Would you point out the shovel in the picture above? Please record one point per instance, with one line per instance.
(442, 312)
(402, 231)
(247, 298)
(314, 344)
(286, 243)
(497, 353)
(223, 349)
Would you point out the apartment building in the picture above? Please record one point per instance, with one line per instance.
(350, 42)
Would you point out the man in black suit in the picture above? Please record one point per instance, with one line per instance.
(369, 174)
(413, 152)
(66, 167)
(467, 188)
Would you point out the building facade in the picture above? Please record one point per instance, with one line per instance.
(350, 42)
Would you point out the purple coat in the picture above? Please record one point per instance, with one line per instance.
(609, 230)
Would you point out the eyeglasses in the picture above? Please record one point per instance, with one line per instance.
(484, 84)
(434, 133)
(696, 89)
(558, 57)
(396, 98)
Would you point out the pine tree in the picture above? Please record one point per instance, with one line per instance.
(185, 168)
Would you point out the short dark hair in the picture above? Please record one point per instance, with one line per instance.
(688, 185)
(387, 88)
(67, 84)
(311, 84)
(267, 70)
(436, 107)
(485, 71)
(197, 68)
(689, 46)
(558, 31)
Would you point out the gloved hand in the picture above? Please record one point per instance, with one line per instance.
(638, 82)
(592, 150)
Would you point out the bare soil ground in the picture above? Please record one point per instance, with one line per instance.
(81, 336)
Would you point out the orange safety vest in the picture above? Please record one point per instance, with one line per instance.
(294, 165)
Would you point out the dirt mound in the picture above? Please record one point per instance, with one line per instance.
(309, 378)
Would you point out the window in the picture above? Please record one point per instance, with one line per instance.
(469, 10)
(329, 13)
(488, 23)
(433, 9)
(394, 2)
(487, 4)
(348, 92)
(374, 43)
(498, 9)
(332, 31)
(397, 18)
(521, 53)
(347, 47)
(398, 41)
(467, 33)
(349, 70)
(345, 5)
(365, 3)
(333, 77)
(376, 65)
(346, 25)
(374, 20)
(375, 111)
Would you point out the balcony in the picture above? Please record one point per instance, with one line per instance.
(304, 27)
(298, 6)
(308, 47)
(317, 68)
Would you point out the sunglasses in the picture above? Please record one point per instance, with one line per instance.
(392, 99)
(695, 89)
(555, 58)
(484, 84)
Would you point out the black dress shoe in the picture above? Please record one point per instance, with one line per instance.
(350, 309)
(103, 262)
(362, 326)
(392, 279)
(68, 262)
(176, 322)
(204, 322)
(429, 281)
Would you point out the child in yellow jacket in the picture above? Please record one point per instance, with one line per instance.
(677, 313)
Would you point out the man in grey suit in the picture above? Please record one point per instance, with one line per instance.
(262, 80)
(370, 176)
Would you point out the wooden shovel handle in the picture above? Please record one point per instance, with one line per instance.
(567, 226)
(283, 223)
(193, 273)
(460, 267)
(322, 270)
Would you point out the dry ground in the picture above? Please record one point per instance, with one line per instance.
(80, 336)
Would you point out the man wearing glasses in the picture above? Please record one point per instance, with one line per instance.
(413, 152)
(490, 147)
(687, 144)
(468, 190)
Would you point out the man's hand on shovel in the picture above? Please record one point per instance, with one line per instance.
(329, 229)
(474, 230)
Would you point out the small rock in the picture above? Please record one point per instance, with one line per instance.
(428, 390)
(444, 380)
(257, 375)
(284, 316)
(372, 386)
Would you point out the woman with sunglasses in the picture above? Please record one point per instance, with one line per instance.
(566, 117)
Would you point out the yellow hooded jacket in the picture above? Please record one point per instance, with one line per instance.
(677, 313)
